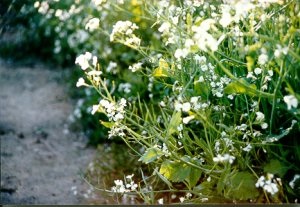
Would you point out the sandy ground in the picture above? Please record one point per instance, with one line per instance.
(41, 162)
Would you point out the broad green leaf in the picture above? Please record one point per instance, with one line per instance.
(179, 172)
(241, 186)
(107, 124)
(195, 173)
(201, 89)
(241, 87)
(194, 177)
(276, 167)
(175, 171)
(150, 155)
(174, 123)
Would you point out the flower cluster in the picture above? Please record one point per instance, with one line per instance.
(123, 31)
(128, 186)
(83, 60)
(224, 158)
(267, 184)
(114, 111)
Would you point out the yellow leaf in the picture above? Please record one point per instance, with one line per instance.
(162, 69)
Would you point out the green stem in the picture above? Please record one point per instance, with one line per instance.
(275, 96)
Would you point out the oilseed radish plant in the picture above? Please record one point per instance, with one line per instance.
(220, 116)
(206, 94)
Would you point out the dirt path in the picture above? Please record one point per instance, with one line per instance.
(41, 162)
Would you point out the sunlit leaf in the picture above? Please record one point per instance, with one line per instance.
(174, 123)
(150, 155)
(179, 172)
(162, 69)
(240, 87)
(250, 63)
(175, 171)
(107, 124)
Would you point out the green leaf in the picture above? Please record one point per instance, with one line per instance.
(276, 167)
(175, 171)
(107, 124)
(194, 177)
(202, 89)
(150, 155)
(174, 123)
(241, 186)
(240, 87)
(195, 173)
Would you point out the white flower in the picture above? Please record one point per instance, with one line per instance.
(224, 158)
(43, 7)
(98, 2)
(271, 187)
(188, 195)
(186, 120)
(186, 106)
(257, 71)
(130, 176)
(83, 60)
(95, 60)
(135, 67)
(36, 4)
(226, 19)
(264, 125)
(260, 116)
(194, 99)
(80, 82)
(181, 199)
(242, 127)
(291, 101)
(181, 53)
(188, 43)
(122, 28)
(260, 182)
(165, 27)
(263, 59)
(247, 148)
(111, 66)
(177, 106)
(95, 109)
(292, 182)
(92, 24)
(119, 188)
(160, 201)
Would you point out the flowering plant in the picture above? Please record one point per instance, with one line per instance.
(220, 116)
(205, 94)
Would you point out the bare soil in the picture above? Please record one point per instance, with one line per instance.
(42, 162)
